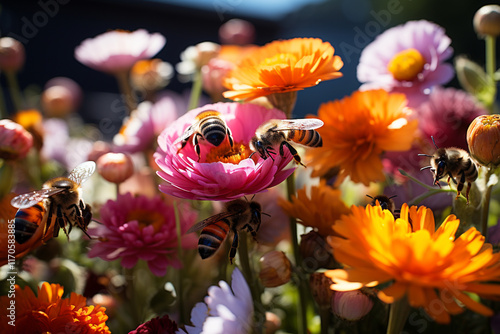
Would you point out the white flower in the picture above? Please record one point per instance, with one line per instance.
(226, 309)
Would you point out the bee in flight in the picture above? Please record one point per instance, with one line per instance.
(281, 131)
(58, 203)
(238, 215)
(209, 126)
(454, 163)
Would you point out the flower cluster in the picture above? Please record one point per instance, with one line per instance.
(215, 210)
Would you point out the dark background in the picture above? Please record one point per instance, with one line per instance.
(349, 25)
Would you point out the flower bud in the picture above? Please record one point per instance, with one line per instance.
(99, 148)
(151, 75)
(32, 121)
(316, 252)
(320, 288)
(273, 323)
(236, 31)
(275, 269)
(487, 21)
(351, 305)
(483, 138)
(213, 75)
(57, 101)
(474, 79)
(11, 54)
(115, 167)
(195, 57)
(15, 141)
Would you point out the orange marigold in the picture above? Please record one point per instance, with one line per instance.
(283, 66)
(432, 268)
(49, 313)
(357, 130)
(318, 210)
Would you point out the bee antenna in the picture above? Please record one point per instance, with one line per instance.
(425, 167)
(265, 214)
(393, 196)
(252, 197)
(369, 196)
(425, 155)
(432, 137)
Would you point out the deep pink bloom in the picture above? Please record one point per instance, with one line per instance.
(15, 141)
(423, 36)
(118, 50)
(447, 115)
(188, 178)
(144, 228)
(163, 325)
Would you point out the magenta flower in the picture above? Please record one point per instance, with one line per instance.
(409, 59)
(447, 115)
(144, 228)
(163, 325)
(118, 50)
(220, 174)
(15, 141)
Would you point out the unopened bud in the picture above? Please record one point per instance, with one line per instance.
(275, 269)
(351, 305)
(12, 54)
(320, 288)
(316, 252)
(15, 141)
(483, 138)
(487, 21)
(474, 79)
(115, 167)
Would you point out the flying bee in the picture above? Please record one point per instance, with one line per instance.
(456, 164)
(281, 131)
(238, 215)
(209, 126)
(58, 203)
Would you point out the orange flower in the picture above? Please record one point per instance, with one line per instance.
(319, 210)
(357, 130)
(49, 313)
(283, 66)
(409, 257)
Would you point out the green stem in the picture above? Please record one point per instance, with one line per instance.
(14, 90)
(324, 315)
(486, 203)
(490, 56)
(398, 315)
(126, 89)
(252, 282)
(302, 306)
(194, 99)
(180, 283)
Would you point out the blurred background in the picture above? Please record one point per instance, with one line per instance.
(51, 29)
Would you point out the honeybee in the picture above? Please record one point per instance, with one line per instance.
(281, 131)
(385, 202)
(454, 162)
(209, 126)
(59, 202)
(238, 215)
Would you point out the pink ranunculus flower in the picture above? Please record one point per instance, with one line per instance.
(409, 59)
(118, 50)
(220, 175)
(144, 228)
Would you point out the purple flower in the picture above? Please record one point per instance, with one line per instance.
(409, 59)
(447, 115)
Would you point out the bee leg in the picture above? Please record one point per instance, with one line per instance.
(252, 231)
(49, 221)
(197, 146)
(460, 186)
(467, 192)
(234, 247)
(80, 220)
(60, 222)
(292, 150)
(183, 144)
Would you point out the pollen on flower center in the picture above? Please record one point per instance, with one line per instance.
(280, 58)
(146, 218)
(406, 65)
(223, 153)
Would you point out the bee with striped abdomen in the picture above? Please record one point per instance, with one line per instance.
(209, 126)
(456, 164)
(385, 202)
(238, 215)
(58, 203)
(281, 131)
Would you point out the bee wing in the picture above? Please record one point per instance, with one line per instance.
(298, 124)
(187, 133)
(82, 172)
(211, 220)
(29, 199)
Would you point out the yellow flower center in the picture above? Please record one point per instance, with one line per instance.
(406, 65)
(280, 59)
(223, 153)
(491, 120)
(146, 218)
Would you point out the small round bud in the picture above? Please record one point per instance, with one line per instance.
(151, 75)
(487, 21)
(316, 252)
(351, 305)
(273, 323)
(483, 138)
(115, 167)
(320, 288)
(11, 54)
(15, 141)
(213, 75)
(275, 269)
(57, 101)
(99, 148)
(237, 31)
